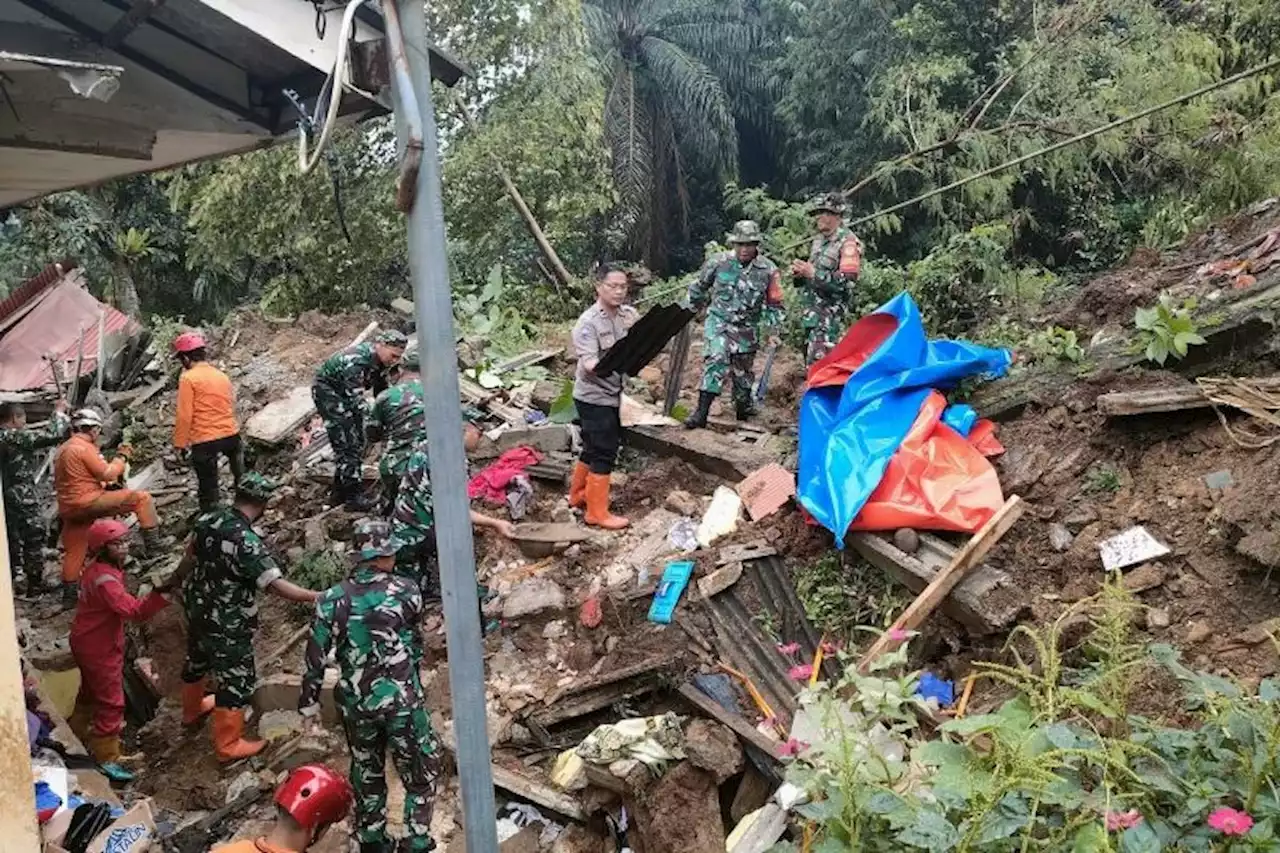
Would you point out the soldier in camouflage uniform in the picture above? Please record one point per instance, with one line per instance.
(229, 564)
(826, 279)
(397, 418)
(370, 621)
(21, 455)
(338, 393)
(737, 288)
(413, 522)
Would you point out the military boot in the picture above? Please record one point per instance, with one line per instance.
(699, 418)
(745, 410)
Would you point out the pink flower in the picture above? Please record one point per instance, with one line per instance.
(792, 748)
(899, 635)
(1230, 822)
(803, 672)
(830, 649)
(788, 648)
(1120, 821)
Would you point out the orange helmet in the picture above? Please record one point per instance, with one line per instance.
(104, 531)
(315, 796)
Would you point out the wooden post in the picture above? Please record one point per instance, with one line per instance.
(965, 559)
(17, 800)
(102, 345)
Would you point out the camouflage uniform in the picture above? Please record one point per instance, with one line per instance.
(220, 598)
(397, 419)
(371, 622)
(413, 523)
(738, 297)
(20, 461)
(337, 392)
(837, 261)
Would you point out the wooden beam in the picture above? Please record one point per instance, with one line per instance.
(736, 722)
(1153, 401)
(129, 21)
(965, 559)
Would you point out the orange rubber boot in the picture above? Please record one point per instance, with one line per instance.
(598, 514)
(578, 487)
(195, 705)
(228, 741)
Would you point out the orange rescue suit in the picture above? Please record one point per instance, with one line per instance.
(259, 845)
(206, 406)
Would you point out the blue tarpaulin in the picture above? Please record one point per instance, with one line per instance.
(863, 399)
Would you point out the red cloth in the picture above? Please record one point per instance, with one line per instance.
(97, 640)
(491, 483)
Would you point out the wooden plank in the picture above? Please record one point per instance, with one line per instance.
(965, 559)
(526, 359)
(747, 551)
(280, 419)
(647, 666)
(986, 601)
(596, 699)
(1152, 401)
(736, 722)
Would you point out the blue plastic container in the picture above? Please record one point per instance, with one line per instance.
(674, 579)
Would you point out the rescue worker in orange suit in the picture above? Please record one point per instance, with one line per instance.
(206, 426)
(97, 643)
(80, 479)
(310, 800)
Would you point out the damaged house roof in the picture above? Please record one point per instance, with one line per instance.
(45, 316)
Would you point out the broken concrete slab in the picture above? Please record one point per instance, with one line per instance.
(1133, 546)
(987, 601)
(731, 457)
(280, 420)
(552, 438)
(281, 692)
(532, 596)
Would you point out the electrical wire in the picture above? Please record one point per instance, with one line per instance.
(336, 83)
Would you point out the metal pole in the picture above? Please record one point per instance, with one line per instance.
(428, 270)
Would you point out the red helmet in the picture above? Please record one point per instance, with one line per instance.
(315, 796)
(188, 341)
(106, 530)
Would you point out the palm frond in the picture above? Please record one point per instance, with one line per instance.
(598, 23)
(696, 104)
(628, 122)
(735, 54)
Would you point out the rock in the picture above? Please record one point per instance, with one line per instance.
(561, 514)
(1060, 537)
(520, 736)
(683, 503)
(1157, 617)
(246, 780)
(314, 537)
(1022, 468)
(1219, 480)
(714, 748)
(1198, 632)
(681, 813)
(1080, 518)
(618, 479)
(1145, 577)
(578, 839)
(524, 841)
(573, 552)
(279, 725)
(611, 644)
(555, 630)
(906, 540)
(534, 595)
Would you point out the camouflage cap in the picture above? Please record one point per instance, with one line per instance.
(256, 487)
(409, 361)
(829, 203)
(744, 231)
(392, 338)
(373, 539)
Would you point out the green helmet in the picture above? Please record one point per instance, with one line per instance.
(829, 203)
(373, 539)
(255, 487)
(745, 231)
(409, 361)
(392, 338)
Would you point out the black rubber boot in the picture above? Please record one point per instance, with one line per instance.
(375, 847)
(70, 595)
(358, 500)
(699, 418)
(745, 410)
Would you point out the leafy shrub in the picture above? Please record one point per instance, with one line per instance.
(838, 598)
(1061, 765)
(1102, 478)
(1166, 329)
(318, 570)
(1053, 344)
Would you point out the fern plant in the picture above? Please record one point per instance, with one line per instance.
(1167, 329)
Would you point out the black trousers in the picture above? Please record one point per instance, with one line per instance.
(204, 459)
(601, 435)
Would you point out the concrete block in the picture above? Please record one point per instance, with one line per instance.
(551, 438)
(280, 693)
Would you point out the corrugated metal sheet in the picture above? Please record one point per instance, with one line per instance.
(24, 292)
(645, 340)
(52, 326)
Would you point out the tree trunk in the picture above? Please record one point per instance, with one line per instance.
(126, 292)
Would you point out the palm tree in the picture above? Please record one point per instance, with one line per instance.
(676, 72)
(131, 248)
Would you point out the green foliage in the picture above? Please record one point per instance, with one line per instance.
(487, 316)
(1102, 478)
(563, 409)
(1167, 329)
(318, 570)
(1043, 769)
(838, 598)
(1053, 344)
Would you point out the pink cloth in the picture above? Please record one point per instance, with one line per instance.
(491, 483)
